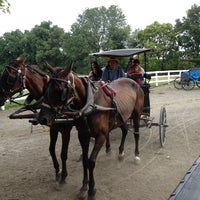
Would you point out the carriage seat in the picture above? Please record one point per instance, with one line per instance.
(147, 76)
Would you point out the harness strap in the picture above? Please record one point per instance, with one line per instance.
(110, 92)
(24, 78)
(107, 89)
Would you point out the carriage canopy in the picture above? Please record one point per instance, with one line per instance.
(121, 52)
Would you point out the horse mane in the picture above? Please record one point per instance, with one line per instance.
(36, 69)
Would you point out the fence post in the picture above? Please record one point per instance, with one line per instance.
(2, 107)
(156, 79)
(168, 77)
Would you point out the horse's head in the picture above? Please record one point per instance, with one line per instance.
(12, 79)
(59, 93)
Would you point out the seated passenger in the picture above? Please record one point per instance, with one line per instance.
(96, 72)
(111, 71)
(134, 68)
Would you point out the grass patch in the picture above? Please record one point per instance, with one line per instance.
(9, 105)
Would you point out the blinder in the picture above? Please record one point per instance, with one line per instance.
(64, 94)
(11, 79)
(67, 95)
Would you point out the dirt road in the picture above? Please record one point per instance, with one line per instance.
(27, 172)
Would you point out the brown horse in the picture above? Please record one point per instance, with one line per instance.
(16, 77)
(94, 113)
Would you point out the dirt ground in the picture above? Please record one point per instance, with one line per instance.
(27, 173)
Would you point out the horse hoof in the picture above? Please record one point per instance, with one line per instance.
(108, 150)
(137, 160)
(91, 198)
(121, 156)
(91, 195)
(82, 194)
(58, 175)
(62, 181)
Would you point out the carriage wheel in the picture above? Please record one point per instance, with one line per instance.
(198, 83)
(178, 83)
(188, 84)
(162, 125)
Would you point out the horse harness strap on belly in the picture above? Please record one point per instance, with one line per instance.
(109, 92)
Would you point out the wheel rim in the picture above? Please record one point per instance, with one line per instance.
(188, 85)
(162, 126)
(178, 83)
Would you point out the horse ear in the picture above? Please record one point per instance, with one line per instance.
(21, 60)
(49, 67)
(68, 69)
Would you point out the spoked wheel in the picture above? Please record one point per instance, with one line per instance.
(178, 83)
(162, 125)
(188, 84)
(198, 83)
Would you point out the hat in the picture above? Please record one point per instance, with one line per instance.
(113, 59)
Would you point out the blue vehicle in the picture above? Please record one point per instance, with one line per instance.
(188, 79)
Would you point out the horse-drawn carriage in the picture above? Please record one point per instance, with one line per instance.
(146, 115)
(71, 100)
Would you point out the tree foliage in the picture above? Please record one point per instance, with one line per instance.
(187, 33)
(161, 38)
(104, 28)
(96, 29)
(4, 6)
(44, 43)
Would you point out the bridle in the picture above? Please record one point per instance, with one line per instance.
(11, 80)
(67, 96)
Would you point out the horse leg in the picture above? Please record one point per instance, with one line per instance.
(99, 141)
(108, 149)
(124, 129)
(84, 141)
(53, 139)
(64, 152)
(136, 121)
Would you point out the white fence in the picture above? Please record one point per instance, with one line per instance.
(158, 77)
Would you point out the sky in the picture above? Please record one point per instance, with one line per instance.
(25, 14)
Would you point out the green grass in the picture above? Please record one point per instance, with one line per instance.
(9, 105)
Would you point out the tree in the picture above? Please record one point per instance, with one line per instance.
(96, 29)
(187, 33)
(12, 45)
(5, 6)
(161, 38)
(44, 42)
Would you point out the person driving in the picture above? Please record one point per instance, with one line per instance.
(112, 71)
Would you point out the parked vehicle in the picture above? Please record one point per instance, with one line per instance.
(188, 79)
